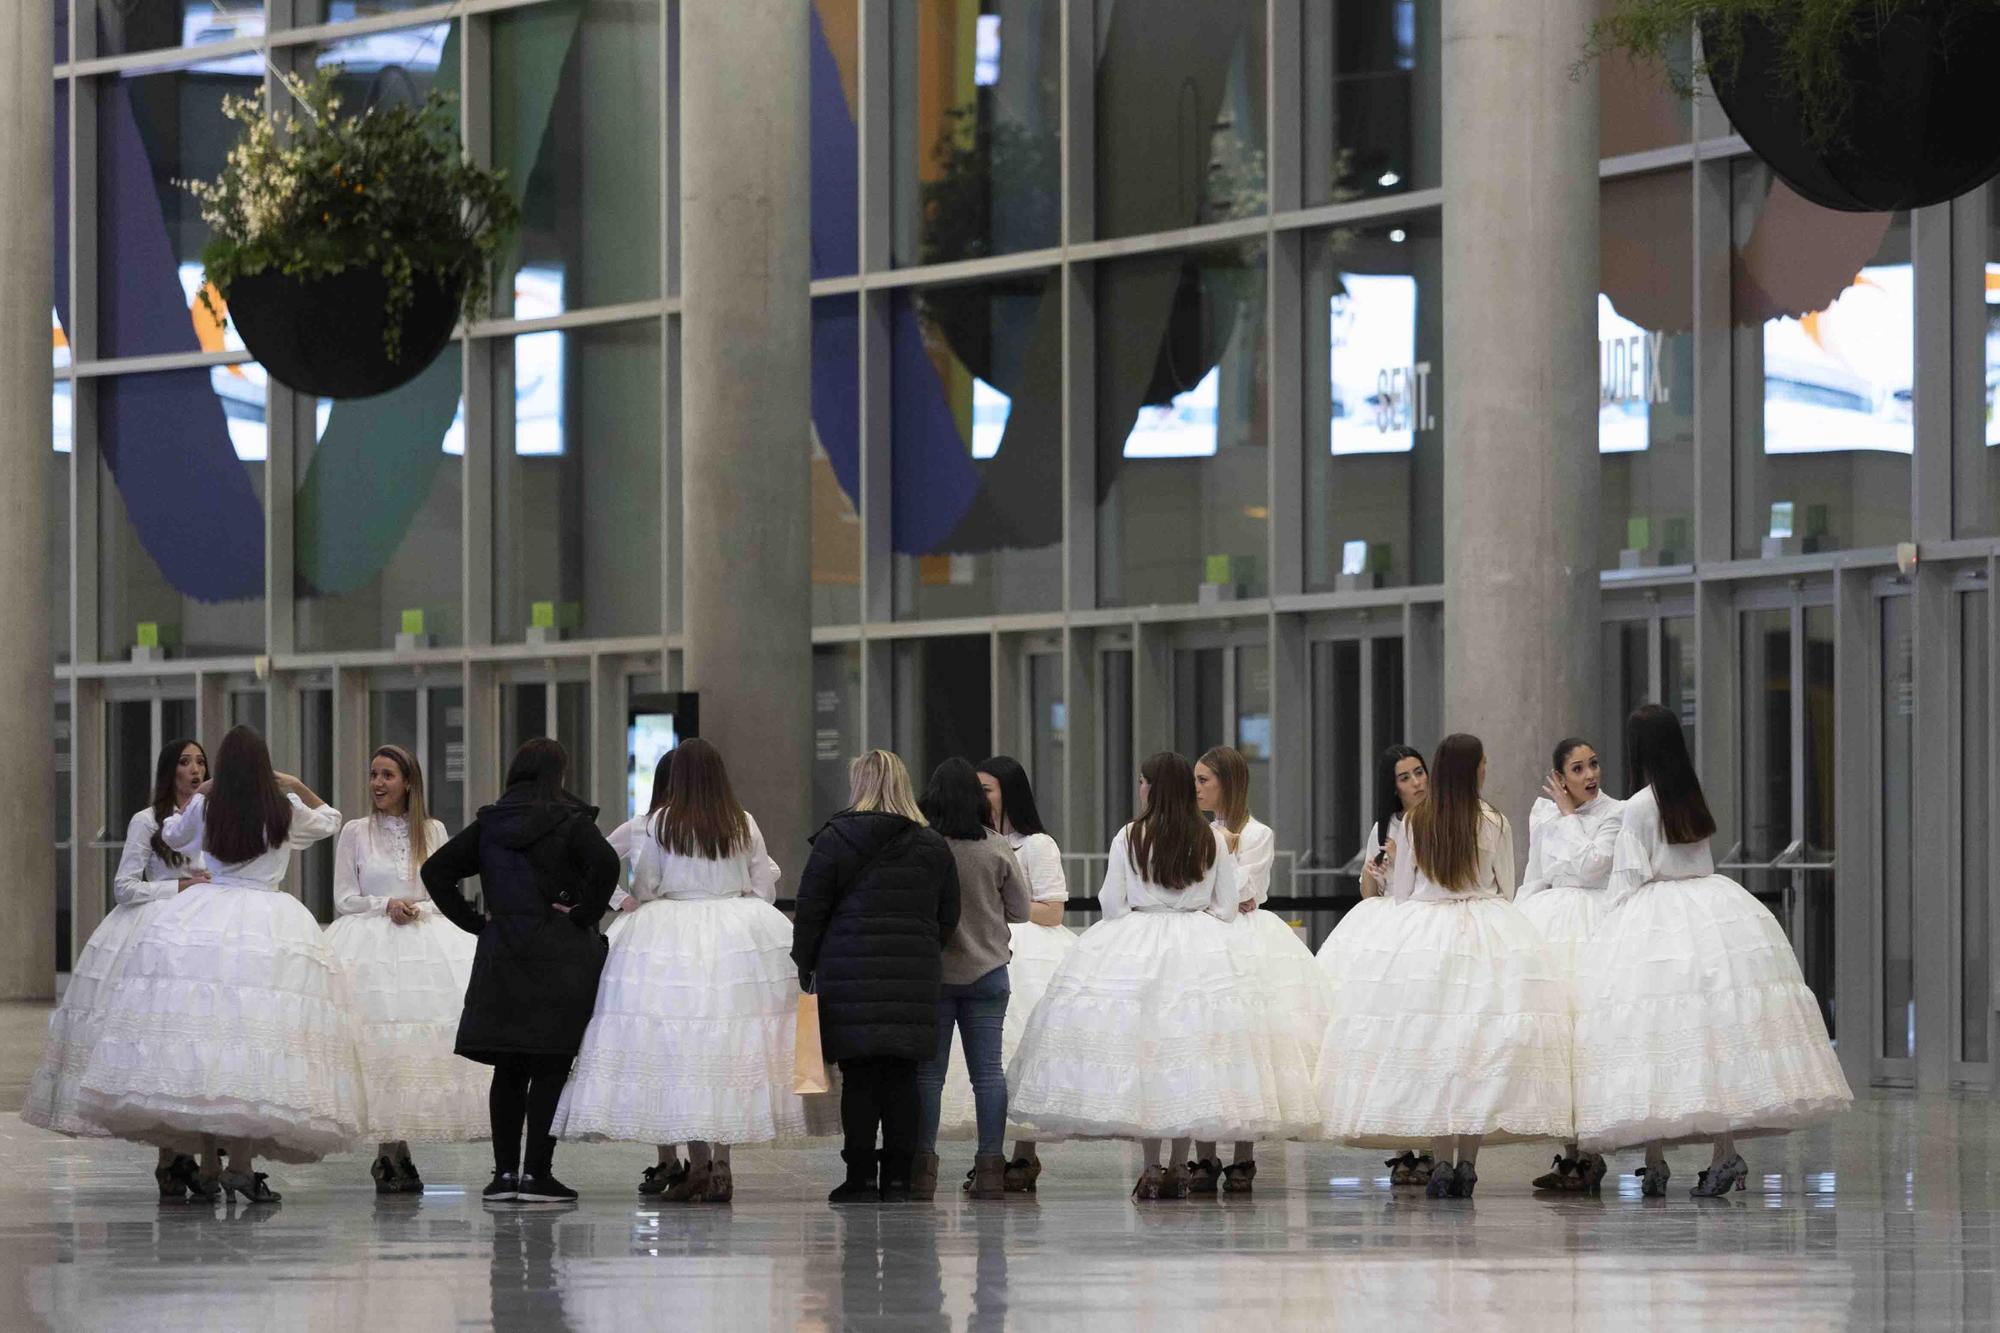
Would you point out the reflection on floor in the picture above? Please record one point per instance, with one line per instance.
(1886, 1218)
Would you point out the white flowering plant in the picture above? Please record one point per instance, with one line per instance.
(317, 194)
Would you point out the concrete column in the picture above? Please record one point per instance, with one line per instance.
(745, 409)
(27, 250)
(1520, 386)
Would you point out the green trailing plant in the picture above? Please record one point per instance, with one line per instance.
(316, 194)
(1813, 35)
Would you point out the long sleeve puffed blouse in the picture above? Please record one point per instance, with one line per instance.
(1125, 891)
(143, 875)
(1571, 851)
(1256, 848)
(371, 864)
(1494, 877)
(184, 829)
(1644, 856)
(658, 873)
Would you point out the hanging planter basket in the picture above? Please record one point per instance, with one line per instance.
(325, 335)
(1920, 128)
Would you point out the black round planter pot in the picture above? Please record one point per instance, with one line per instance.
(323, 336)
(1920, 129)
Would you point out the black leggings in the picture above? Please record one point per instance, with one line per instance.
(526, 1087)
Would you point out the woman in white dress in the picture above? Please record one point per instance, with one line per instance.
(1295, 994)
(1147, 1030)
(1571, 832)
(1039, 945)
(691, 1040)
(1402, 779)
(626, 840)
(230, 1016)
(1457, 1030)
(1692, 1019)
(149, 873)
(407, 968)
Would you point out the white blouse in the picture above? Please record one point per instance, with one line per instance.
(1571, 851)
(142, 876)
(1494, 877)
(1041, 861)
(1256, 848)
(371, 864)
(1124, 891)
(625, 840)
(658, 873)
(266, 870)
(1375, 843)
(1643, 854)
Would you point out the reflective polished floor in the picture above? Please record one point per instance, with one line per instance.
(1884, 1219)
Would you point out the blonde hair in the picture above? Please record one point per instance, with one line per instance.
(1234, 774)
(878, 781)
(415, 811)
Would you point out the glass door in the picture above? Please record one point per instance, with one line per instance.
(1647, 656)
(1784, 849)
(552, 701)
(1358, 707)
(1972, 768)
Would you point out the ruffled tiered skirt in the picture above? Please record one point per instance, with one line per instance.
(1456, 1022)
(74, 1025)
(408, 986)
(230, 1016)
(1294, 995)
(692, 1037)
(1370, 924)
(1151, 1029)
(1567, 919)
(1038, 950)
(1693, 1020)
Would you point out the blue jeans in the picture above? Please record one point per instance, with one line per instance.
(977, 1011)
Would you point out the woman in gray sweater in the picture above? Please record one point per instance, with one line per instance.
(993, 891)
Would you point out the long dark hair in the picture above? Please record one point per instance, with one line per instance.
(540, 764)
(1564, 748)
(1444, 826)
(1017, 797)
(702, 816)
(954, 802)
(247, 814)
(1659, 759)
(1389, 801)
(662, 773)
(165, 770)
(1170, 844)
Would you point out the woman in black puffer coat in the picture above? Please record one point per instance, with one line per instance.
(547, 875)
(876, 904)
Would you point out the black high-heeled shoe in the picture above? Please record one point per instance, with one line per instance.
(1561, 1177)
(1440, 1183)
(1653, 1181)
(1728, 1174)
(1400, 1169)
(407, 1179)
(251, 1185)
(175, 1176)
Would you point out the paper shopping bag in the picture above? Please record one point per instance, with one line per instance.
(808, 1065)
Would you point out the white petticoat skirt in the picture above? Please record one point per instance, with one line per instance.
(1150, 1029)
(1037, 952)
(230, 1016)
(1693, 1020)
(1295, 996)
(1567, 919)
(1454, 1023)
(408, 986)
(692, 1037)
(1354, 933)
(73, 1026)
